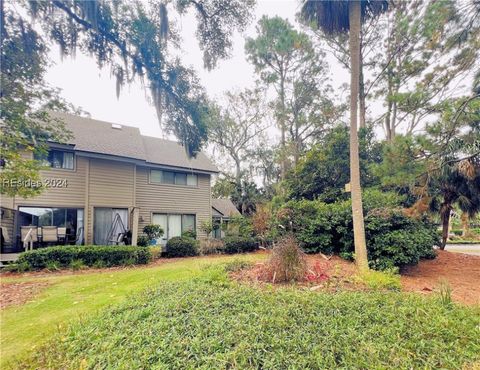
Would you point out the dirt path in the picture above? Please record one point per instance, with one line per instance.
(460, 271)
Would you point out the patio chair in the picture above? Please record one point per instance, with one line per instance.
(49, 234)
(62, 234)
(119, 240)
(28, 236)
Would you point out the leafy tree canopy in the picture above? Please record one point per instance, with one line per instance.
(135, 40)
(324, 171)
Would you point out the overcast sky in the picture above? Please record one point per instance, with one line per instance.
(85, 86)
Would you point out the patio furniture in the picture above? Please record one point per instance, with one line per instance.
(28, 236)
(119, 240)
(62, 234)
(49, 234)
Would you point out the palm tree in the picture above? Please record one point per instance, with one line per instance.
(458, 184)
(340, 17)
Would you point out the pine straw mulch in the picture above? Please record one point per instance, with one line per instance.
(326, 273)
(12, 294)
(461, 272)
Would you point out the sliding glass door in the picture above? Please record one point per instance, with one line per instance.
(174, 225)
(162, 220)
(108, 223)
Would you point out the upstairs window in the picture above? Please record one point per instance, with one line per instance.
(173, 178)
(58, 159)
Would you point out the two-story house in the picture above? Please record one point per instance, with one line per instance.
(109, 177)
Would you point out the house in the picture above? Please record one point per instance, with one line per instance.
(223, 210)
(109, 178)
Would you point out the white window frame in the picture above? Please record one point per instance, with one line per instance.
(191, 178)
(166, 232)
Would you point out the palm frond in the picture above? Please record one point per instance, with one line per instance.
(333, 16)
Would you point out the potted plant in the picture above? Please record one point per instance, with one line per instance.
(153, 232)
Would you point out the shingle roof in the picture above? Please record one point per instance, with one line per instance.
(94, 136)
(171, 153)
(225, 207)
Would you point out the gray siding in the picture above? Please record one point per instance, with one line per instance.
(110, 183)
(73, 195)
(162, 198)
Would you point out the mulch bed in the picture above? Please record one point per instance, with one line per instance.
(326, 273)
(460, 271)
(18, 293)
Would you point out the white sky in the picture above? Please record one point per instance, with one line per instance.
(93, 90)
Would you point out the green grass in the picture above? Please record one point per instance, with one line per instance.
(68, 297)
(211, 323)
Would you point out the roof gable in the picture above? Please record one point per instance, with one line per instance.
(94, 136)
(225, 207)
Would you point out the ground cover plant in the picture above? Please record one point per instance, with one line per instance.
(213, 323)
(64, 296)
(76, 257)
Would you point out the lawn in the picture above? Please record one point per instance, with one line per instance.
(212, 323)
(68, 297)
(183, 315)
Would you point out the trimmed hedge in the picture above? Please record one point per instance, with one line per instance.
(181, 247)
(63, 256)
(239, 244)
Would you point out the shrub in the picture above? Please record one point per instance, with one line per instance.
(287, 261)
(77, 265)
(207, 227)
(381, 280)
(142, 241)
(153, 231)
(211, 246)
(393, 239)
(239, 244)
(181, 247)
(239, 226)
(52, 266)
(156, 251)
(64, 256)
(190, 234)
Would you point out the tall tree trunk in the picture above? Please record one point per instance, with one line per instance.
(283, 163)
(394, 120)
(361, 94)
(445, 210)
(357, 208)
(465, 224)
(238, 172)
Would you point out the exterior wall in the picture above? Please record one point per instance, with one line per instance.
(163, 198)
(7, 224)
(71, 194)
(114, 184)
(111, 184)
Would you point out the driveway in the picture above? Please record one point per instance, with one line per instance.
(464, 248)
